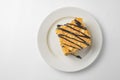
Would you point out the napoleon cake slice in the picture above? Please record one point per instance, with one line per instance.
(73, 36)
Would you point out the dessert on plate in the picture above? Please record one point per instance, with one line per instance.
(73, 37)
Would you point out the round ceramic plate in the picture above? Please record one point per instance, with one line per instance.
(49, 46)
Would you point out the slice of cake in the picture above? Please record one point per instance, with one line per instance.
(73, 36)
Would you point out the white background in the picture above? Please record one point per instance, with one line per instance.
(19, 55)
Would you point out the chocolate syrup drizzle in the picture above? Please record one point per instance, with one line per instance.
(71, 46)
(67, 38)
(83, 41)
(79, 24)
(84, 35)
(69, 41)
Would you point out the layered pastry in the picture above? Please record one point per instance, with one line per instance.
(73, 37)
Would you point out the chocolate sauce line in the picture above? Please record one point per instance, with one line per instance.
(71, 46)
(79, 24)
(74, 35)
(77, 56)
(70, 41)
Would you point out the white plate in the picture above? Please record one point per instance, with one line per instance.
(48, 41)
